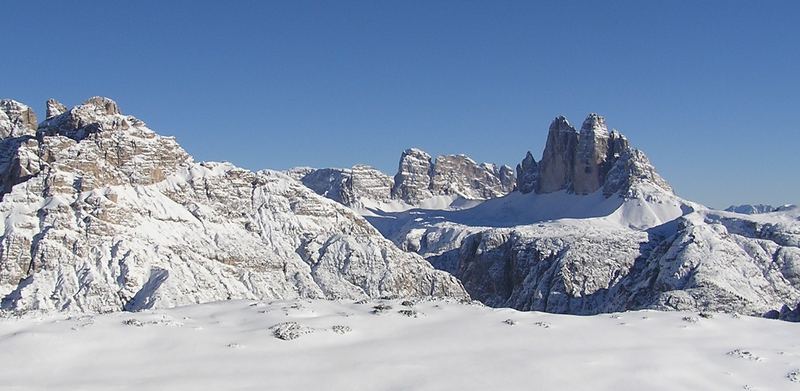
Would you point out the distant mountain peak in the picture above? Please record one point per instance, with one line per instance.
(587, 161)
(54, 108)
(594, 123)
(561, 124)
(103, 214)
(16, 119)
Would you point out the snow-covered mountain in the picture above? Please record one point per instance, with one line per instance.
(592, 227)
(99, 213)
(448, 181)
(751, 209)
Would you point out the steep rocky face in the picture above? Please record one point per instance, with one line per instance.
(594, 228)
(16, 119)
(586, 161)
(419, 178)
(370, 184)
(413, 179)
(558, 160)
(99, 213)
(590, 156)
(462, 176)
(632, 170)
(350, 187)
(786, 313)
(703, 261)
(527, 174)
(328, 182)
(54, 108)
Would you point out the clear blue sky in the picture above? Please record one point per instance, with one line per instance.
(709, 90)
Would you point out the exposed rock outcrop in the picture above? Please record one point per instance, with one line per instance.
(369, 183)
(419, 178)
(586, 270)
(16, 119)
(558, 159)
(462, 176)
(99, 213)
(54, 108)
(590, 156)
(788, 314)
(599, 230)
(527, 174)
(752, 209)
(586, 161)
(350, 187)
(412, 183)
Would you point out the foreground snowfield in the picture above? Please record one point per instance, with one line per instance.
(436, 346)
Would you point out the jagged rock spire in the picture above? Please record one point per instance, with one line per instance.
(527, 174)
(558, 160)
(590, 155)
(54, 108)
(594, 123)
(561, 124)
(586, 161)
(94, 115)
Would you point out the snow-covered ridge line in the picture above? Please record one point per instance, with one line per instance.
(618, 239)
(102, 214)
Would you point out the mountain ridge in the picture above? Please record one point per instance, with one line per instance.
(100, 213)
(593, 228)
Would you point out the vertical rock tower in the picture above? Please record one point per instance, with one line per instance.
(586, 161)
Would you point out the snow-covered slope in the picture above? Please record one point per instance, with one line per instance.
(102, 214)
(385, 345)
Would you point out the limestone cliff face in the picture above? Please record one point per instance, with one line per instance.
(413, 179)
(369, 183)
(527, 174)
(99, 213)
(632, 244)
(419, 177)
(460, 175)
(590, 156)
(558, 160)
(587, 161)
(348, 186)
(54, 108)
(16, 119)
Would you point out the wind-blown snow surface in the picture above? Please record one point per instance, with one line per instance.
(431, 345)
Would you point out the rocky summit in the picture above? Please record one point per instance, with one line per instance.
(419, 178)
(585, 161)
(102, 214)
(593, 228)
